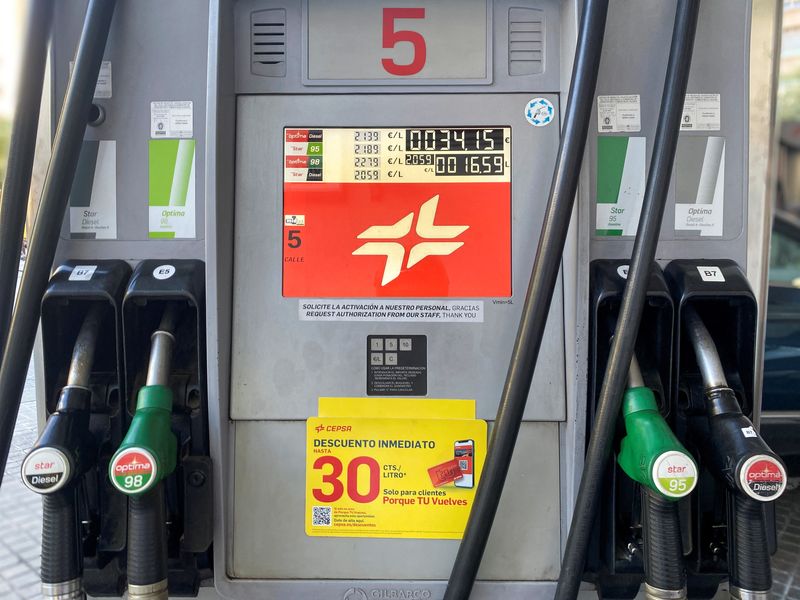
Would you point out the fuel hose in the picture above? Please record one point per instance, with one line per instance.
(537, 300)
(21, 151)
(55, 195)
(630, 314)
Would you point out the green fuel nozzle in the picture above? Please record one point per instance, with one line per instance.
(148, 452)
(650, 453)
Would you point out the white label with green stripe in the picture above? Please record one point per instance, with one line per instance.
(172, 189)
(621, 177)
(675, 474)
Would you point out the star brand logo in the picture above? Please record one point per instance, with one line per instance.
(319, 428)
(395, 251)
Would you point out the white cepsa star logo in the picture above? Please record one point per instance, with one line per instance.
(395, 251)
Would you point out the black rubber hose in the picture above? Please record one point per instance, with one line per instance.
(61, 557)
(750, 567)
(537, 300)
(57, 185)
(663, 552)
(21, 150)
(147, 537)
(630, 314)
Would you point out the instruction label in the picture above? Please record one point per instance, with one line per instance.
(701, 112)
(93, 198)
(391, 478)
(397, 365)
(622, 113)
(171, 119)
(439, 311)
(103, 89)
(172, 189)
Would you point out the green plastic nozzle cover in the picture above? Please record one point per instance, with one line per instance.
(650, 453)
(149, 451)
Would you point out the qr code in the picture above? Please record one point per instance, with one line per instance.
(321, 515)
(463, 465)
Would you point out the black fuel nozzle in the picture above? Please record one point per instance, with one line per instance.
(737, 455)
(64, 452)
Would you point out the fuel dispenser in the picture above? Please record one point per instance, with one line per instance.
(333, 210)
(733, 518)
(83, 536)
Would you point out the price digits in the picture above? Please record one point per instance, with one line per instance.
(333, 474)
(432, 140)
(469, 164)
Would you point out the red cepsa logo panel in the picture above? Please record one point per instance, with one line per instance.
(389, 239)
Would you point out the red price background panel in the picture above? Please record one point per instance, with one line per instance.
(397, 240)
(397, 212)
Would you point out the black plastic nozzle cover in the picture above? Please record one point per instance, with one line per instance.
(57, 186)
(630, 314)
(537, 300)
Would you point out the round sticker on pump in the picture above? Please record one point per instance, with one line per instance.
(133, 470)
(163, 271)
(675, 474)
(45, 470)
(539, 112)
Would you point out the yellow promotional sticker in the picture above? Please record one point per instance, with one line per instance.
(396, 408)
(391, 478)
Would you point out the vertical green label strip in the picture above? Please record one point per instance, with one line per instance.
(172, 188)
(620, 184)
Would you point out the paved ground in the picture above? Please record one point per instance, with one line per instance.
(20, 511)
(786, 563)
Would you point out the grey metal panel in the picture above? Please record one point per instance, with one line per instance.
(152, 59)
(719, 65)
(548, 80)
(269, 541)
(281, 365)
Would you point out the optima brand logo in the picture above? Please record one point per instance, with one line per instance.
(395, 251)
(763, 478)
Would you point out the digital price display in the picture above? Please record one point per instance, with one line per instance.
(397, 212)
(420, 41)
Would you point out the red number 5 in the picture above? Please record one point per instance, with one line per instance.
(391, 38)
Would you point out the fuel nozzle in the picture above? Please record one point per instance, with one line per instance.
(737, 453)
(147, 455)
(651, 455)
(64, 452)
(148, 452)
(738, 456)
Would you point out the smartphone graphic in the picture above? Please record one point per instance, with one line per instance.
(464, 451)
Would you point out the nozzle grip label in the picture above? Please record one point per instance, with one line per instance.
(675, 474)
(45, 470)
(762, 477)
(133, 471)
